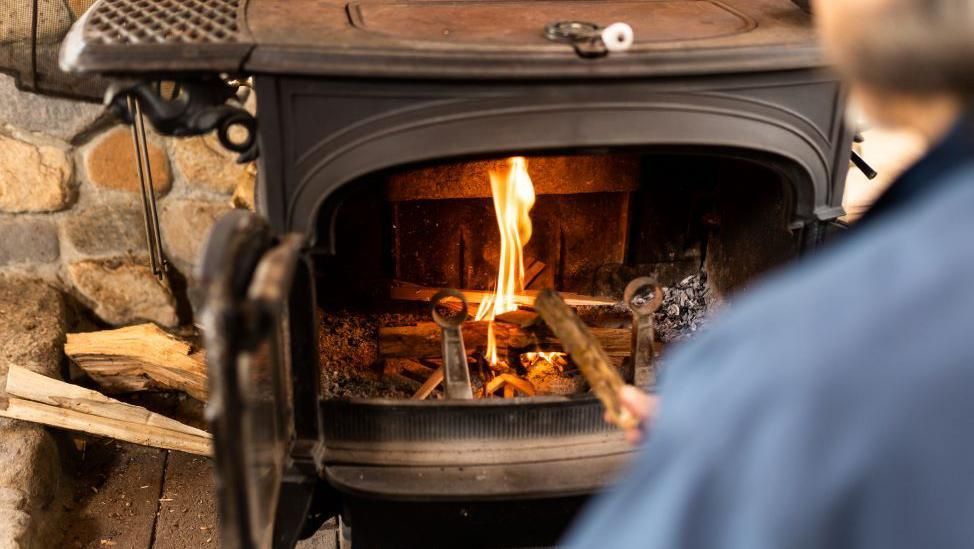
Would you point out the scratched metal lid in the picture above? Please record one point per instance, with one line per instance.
(440, 38)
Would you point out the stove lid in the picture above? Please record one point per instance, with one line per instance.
(439, 38)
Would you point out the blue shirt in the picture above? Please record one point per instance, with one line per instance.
(831, 407)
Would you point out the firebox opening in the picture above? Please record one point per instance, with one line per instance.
(703, 223)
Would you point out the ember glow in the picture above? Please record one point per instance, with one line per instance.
(542, 359)
(513, 194)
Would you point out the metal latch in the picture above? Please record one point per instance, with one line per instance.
(591, 40)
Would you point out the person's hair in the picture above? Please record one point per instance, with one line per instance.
(914, 47)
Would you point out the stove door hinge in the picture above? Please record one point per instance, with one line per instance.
(192, 107)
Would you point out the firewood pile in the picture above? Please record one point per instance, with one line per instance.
(137, 358)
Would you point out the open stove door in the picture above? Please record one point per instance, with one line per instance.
(259, 321)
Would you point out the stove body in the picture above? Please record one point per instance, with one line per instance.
(349, 93)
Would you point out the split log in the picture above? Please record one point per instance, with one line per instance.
(431, 383)
(423, 340)
(40, 399)
(518, 317)
(398, 380)
(585, 349)
(412, 292)
(139, 358)
(532, 270)
(510, 383)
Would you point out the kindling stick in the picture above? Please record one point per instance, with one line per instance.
(588, 354)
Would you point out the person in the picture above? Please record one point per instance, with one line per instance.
(833, 406)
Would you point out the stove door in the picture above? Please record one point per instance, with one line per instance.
(258, 320)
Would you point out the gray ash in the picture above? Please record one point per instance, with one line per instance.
(350, 383)
(348, 343)
(684, 309)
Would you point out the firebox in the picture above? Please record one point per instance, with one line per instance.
(479, 151)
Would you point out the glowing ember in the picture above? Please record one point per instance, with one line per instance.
(540, 359)
(513, 194)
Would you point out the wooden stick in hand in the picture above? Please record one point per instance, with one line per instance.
(588, 354)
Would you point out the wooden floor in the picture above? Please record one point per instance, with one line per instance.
(132, 497)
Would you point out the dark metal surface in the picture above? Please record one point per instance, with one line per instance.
(150, 212)
(791, 121)
(133, 22)
(232, 252)
(265, 443)
(588, 39)
(471, 450)
(643, 296)
(505, 39)
(406, 421)
(508, 481)
(456, 375)
(414, 524)
(148, 36)
(202, 105)
(423, 38)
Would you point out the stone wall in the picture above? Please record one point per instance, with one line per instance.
(70, 207)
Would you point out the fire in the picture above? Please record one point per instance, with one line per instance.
(513, 194)
(533, 360)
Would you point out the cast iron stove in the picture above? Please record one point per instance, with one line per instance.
(353, 92)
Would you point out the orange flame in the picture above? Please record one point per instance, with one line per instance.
(513, 194)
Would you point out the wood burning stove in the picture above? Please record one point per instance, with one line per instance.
(716, 143)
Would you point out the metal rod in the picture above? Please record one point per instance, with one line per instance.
(863, 166)
(153, 209)
(456, 375)
(33, 45)
(150, 212)
(643, 296)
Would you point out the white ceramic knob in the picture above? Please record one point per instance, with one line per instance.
(617, 37)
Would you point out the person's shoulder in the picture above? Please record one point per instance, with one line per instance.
(895, 295)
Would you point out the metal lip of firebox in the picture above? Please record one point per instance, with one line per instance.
(522, 448)
(468, 39)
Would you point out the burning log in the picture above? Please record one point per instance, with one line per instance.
(511, 384)
(423, 340)
(585, 349)
(412, 292)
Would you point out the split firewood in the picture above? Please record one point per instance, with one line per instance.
(413, 292)
(422, 340)
(139, 358)
(40, 399)
(586, 351)
(532, 270)
(415, 368)
(401, 381)
(518, 317)
(434, 381)
(510, 383)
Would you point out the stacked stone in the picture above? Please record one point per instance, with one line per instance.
(70, 204)
(32, 484)
(71, 225)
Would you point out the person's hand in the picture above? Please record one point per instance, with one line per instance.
(641, 405)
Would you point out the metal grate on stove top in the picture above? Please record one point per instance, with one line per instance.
(130, 22)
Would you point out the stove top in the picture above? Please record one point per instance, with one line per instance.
(470, 39)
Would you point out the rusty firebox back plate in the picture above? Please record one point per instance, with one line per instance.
(442, 39)
(550, 175)
(519, 22)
